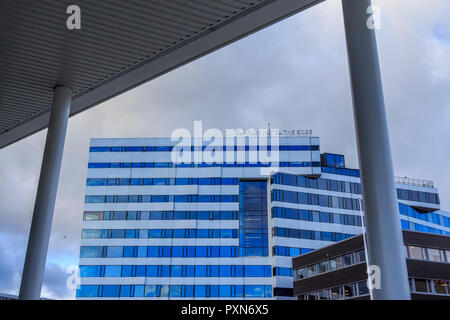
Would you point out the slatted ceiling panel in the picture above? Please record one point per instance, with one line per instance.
(115, 35)
(121, 44)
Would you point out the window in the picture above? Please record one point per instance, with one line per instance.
(440, 286)
(421, 285)
(349, 290)
(415, 253)
(434, 255)
(347, 260)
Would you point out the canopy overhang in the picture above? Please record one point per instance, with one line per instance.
(121, 44)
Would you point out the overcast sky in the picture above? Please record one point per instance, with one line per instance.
(293, 74)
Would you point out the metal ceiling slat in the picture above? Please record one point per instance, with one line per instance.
(142, 23)
(50, 46)
(103, 33)
(5, 87)
(105, 51)
(46, 68)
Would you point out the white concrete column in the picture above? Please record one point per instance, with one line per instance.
(33, 270)
(384, 234)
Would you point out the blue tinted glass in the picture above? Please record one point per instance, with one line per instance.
(89, 271)
(87, 291)
(113, 271)
(91, 252)
(110, 291)
(127, 271)
(115, 252)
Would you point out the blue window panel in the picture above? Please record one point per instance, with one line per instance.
(213, 291)
(89, 271)
(200, 291)
(238, 291)
(165, 252)
(257, 291)
(122, 198)
(200, 271)
(94, 199)
(228, 233)
(190, 271)
(214, 252)
(159, 198)
(151, 291)
(99, 149)
(129, 252)
(127, 271)
(140, 270)
(88, 291)
(201, 251)
(98, 165)
(155, 233)
(114, 252)
(191, 252)
(177, 251)
(120, 215)
(179, 233)
(152, 271)
(110, 290)
(254, 271)
(188, 291)
(125, 290)
(239, 271)
(176, 271)
(175, 291)
(96, 182)
(164, 271)
(225, 291)
(139, 290)
(225, 270)
(117, 233)
(91, 252)
(113, 271)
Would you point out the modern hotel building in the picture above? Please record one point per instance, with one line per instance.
(153, 228)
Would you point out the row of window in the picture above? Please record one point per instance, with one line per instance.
(418, 196)
(203, 148)
(310, 234)
(289, 251)
(159, 251)
(346, 291)
(315, 199)
(341, 171)
(429, 254)
(348, 187)
(316, 183)
(429, 286)
(432, 217)
(160, 181)
(175, 291)
(282, 271)
(158, 233)
(160, 215)
(335, 263)
(117, 165)
(408, 225)
(161, 198)
(316, 216)
(167, 271)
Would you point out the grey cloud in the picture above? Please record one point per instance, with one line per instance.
(293, 75)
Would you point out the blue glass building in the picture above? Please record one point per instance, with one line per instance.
(153, 228)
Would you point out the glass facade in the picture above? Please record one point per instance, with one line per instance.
(253, 235)
(154, 229)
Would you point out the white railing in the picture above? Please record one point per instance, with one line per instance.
(414, 182)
